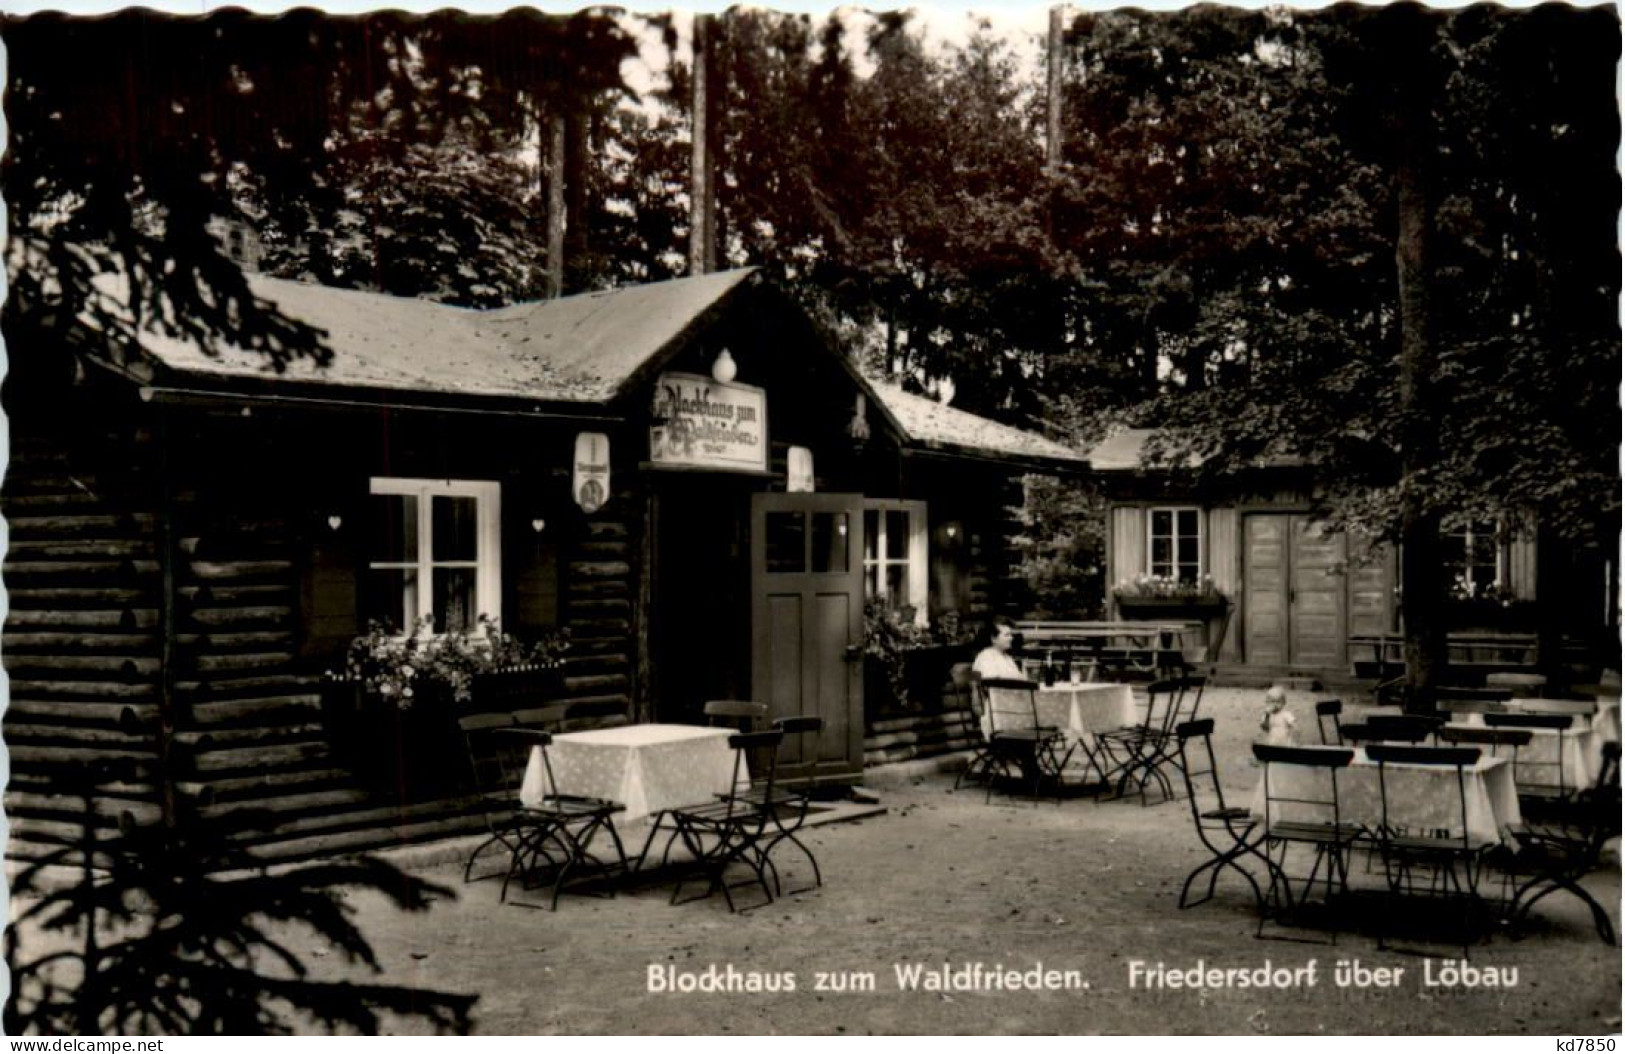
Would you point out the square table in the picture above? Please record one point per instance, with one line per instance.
(646, 768)
(1086, 709)
(1580, 746)
(1419, 796)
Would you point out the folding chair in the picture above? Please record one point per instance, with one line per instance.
(1225, 830)
(742, 714)
(1403, 728)
(1567, 846)
(730, 831)
(1039, 751)
(567, 823)
(790, 811)
(982, 760)
(1330, 710)
(1532, 774)
(1302, 808)
(1436, 861)
(498, 765)
(1137, 752)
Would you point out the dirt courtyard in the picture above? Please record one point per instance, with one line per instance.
(943, 878)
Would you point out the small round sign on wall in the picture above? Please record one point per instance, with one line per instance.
(590, 478)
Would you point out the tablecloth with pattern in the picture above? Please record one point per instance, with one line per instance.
(1420, 797)
(646, 768)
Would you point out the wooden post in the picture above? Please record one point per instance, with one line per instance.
(699, 183)
(555, 206)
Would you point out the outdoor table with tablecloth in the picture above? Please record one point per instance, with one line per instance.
(1420, 797)
(646, 768)
(1581, 746)
(1086, 709)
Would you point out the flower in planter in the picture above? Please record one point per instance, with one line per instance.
(1148, 585)
(396, 665)
(891, 634)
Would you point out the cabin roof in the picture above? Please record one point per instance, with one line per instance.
(582, 349)
(935, 425)
(575, 349)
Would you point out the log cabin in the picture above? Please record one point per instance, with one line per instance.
(688, 475)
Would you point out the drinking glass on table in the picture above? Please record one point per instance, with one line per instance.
(1075, 673)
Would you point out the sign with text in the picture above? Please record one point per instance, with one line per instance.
(800, 476)
(701, 423)
(589, 478)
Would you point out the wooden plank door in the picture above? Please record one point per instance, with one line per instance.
(1294, 608)
(1266, 632)
(1317, 597)
(807, 625)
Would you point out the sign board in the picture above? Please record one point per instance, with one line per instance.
(589, 478)
(702, 423)
(800, 471)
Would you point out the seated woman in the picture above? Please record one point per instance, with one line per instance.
(994, 661)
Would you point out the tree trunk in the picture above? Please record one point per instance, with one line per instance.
(577, 150)
(555, 206)
(1422, 583)
(1052, 137)
(699, 177)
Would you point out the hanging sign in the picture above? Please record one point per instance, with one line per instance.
(589, 481)
(801, 471)
(702, 423)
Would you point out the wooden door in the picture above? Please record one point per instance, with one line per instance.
(1294, 609)
(806, 557)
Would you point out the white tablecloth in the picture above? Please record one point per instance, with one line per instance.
(1086, 709)
(1580, 746)
(1420, 797)
(647, 768)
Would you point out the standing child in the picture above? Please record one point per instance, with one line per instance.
(1277, 722)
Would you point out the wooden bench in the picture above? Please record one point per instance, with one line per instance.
(1477, 654)
(1125, 650)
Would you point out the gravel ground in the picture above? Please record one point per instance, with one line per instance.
(943, 877)
(1079, 886)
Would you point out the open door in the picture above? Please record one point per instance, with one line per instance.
(806, 557)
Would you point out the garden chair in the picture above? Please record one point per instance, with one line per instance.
(1227, 831)
(1539, 778)
(731, 830)
(498, 765)
(1330, 710)
(741, 714)
(1040, 751)
(557, 832)
(1302, 809)
(1440, 862)
(1136, 752)
(1567, 845)
(1404, 728)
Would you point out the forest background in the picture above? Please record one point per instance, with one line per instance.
(1383, 240)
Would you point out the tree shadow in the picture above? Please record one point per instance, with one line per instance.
(175, 928)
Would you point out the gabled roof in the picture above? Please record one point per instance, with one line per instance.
(575, 349)
(935, 425)
(583, 349)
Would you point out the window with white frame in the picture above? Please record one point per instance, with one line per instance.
(434, 552)
(895, 553)
(1174, 544)
(1472, 560)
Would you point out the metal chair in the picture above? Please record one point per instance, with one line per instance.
(1138, 753)
(1532, 774)
(1567, 846)
(567, 822)
(1302, 808)
(1404, 728)
(742, 714)
(982, 760)
(1225, 830)
(729, 831)
(1039, 751)
(790, 811)
(1438, 862)
(1330, 709)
